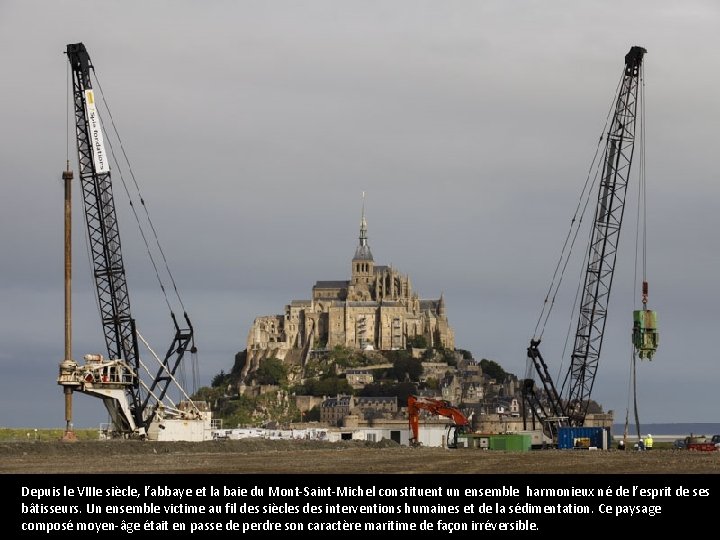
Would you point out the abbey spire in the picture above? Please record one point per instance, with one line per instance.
(363, 250)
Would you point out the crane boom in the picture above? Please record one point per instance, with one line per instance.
(102, 225)
(573, 399)
(132, 394)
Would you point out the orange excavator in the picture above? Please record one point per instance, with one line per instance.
(440, 407)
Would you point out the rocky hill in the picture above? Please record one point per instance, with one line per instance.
(285, 391)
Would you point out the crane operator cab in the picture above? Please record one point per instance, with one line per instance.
(452, 433)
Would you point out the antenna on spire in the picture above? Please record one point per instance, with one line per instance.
(363, 223)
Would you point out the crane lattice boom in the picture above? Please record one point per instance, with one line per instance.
(571, 402)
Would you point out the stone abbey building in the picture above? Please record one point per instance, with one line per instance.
(376, 309)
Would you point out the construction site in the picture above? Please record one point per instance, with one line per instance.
(151, 413)
(266, 456)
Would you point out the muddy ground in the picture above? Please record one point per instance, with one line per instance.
(261, 456)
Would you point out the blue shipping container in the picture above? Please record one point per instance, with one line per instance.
(583, 437)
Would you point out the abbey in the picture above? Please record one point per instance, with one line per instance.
(375, 309)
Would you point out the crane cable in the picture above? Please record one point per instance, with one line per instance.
(575, 225)
(640, 247)
(570, 239)
(193, 349)
(142, 203)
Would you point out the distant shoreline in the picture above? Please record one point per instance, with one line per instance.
(667, 431)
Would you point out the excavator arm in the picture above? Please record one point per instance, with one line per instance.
(440, 407)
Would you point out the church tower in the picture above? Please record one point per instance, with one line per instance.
(363, 265)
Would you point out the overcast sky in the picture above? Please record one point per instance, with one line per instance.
(254, 127)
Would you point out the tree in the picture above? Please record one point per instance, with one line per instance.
(397, 354)
(271, 371)
(493, 370)
(221, 379)
(329, 386)
(312, 415)
(417, 342)
(450, 357)
(208, 394)
(407, 368)
(402, 390)
(235, 412)
(341, 355)
(594, 407)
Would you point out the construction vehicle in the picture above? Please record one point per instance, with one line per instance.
(702, 443)
(460, 423)
(555, 407)
(136, 396)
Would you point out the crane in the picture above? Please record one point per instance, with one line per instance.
(569, 404)
(440, 407)
(135, 396)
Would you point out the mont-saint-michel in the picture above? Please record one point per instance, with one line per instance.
(376, 309)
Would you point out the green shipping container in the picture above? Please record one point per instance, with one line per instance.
(511, 442)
